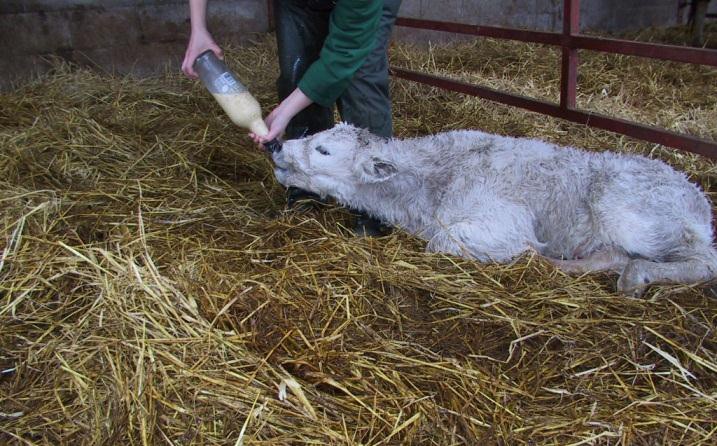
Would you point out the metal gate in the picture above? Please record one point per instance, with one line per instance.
(570, 40)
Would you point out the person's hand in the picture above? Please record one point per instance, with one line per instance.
(276, 122)
(279, 118)
(199, 41)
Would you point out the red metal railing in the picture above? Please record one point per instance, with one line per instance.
(571, 41)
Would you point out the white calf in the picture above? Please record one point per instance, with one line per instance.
(493, 197)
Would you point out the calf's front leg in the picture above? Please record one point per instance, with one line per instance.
(497, 231)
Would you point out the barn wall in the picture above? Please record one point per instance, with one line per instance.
(137, 36)
(545, 15)
(145, 36)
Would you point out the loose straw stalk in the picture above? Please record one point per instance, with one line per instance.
(154, 291)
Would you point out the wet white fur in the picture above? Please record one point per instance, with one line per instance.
(493, 197)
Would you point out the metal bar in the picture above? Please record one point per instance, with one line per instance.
(652, 134)
(571, 17)
(569, 66)
(701, 56)
(522, 35)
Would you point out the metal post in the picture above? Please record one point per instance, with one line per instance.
(569, 72)
(270, 14)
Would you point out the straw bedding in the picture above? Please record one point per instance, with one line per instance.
(153, 290)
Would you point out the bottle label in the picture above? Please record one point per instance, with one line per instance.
(226, 83)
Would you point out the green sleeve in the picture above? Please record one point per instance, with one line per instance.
(352, 35)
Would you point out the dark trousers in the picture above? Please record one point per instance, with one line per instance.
(301, 27)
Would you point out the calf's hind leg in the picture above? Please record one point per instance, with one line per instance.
(606, 260)
(639, 274)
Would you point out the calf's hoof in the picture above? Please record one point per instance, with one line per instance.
(300, 200)
(634, 279)
(367, 226)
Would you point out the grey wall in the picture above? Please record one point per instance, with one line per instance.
(144, 36)
(138, 36)
(544, 15)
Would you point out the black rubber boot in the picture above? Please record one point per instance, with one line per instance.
(367, 226)
(302, 200)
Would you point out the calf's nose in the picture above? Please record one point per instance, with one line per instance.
(273, 146)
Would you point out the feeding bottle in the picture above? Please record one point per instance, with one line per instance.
(236, 100)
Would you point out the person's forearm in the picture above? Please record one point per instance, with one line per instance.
(199, 39)
(198, 14)
(279, 118)
(294, 103)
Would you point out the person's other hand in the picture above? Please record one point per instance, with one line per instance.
(199, 41)
(279, 118)
(276, 122)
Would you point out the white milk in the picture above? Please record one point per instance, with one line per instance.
(243, 110)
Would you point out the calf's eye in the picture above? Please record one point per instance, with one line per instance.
(321, 150)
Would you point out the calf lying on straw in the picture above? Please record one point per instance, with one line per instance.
(493, 197)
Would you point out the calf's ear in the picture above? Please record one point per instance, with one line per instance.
(374, 169)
